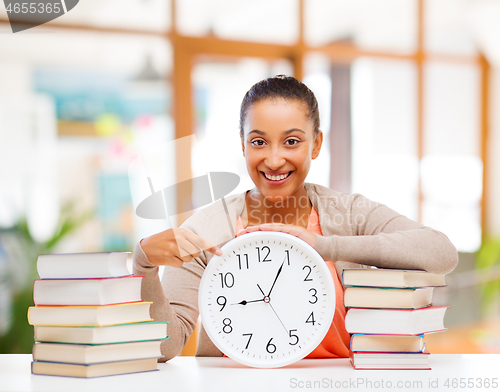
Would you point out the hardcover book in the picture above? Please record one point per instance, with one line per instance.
(380, 277)
(395, 321)
(85, 354)
(102, 335)
(96, 315)
(93, 370)
(93, 291)
(371, 297)
(82, 265)
(387, 343)
(393, 361)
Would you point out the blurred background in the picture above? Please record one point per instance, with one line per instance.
(407, 92)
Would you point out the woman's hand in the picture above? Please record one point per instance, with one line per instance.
(297, 231)
(176, 246)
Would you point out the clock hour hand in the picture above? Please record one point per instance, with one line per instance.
(244, 302)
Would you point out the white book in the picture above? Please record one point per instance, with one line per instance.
(85, 354)
(120, 333)
(387, 343)
(395, 321)
(390, 361)
(374, 297)
(95, 291)
(93, 370)
(382, 277)
(82, 265)
(96, 315)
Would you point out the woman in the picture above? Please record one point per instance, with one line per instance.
(280, 136)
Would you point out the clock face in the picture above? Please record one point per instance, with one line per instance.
(268, 301)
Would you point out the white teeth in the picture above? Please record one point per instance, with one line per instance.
(276, 178)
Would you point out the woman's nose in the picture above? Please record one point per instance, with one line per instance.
(275, 159)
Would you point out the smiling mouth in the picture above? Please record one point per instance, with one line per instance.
(277, 178)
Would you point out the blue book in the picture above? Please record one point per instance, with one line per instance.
(387, 343)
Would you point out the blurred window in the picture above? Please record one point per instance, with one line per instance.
(388, 25)
(272, 21)
(151, 15)
(451, 169)
(384, 134)
(447, 27)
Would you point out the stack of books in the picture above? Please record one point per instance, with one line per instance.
(389, 313)
(89, 317)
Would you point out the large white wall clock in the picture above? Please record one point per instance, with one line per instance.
(268, 301)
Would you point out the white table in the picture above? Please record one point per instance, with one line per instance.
(223, 374)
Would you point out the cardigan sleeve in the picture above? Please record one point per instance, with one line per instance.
(174, 299)
(384, 238)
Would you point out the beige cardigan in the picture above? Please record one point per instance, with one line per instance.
(357, 233)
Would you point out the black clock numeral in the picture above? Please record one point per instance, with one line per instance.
(239, 260)
(222, 299)
(310, 319)
(227, 325)
(270, 348)
(307, 279)
(226, 280)
(287, 257)
(267, 254)
(249, 338)
(314, 296)
(296, 337)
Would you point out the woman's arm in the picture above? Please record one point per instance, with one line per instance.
(180, 327)
(176, 299)
(384, 238)
(371, 233)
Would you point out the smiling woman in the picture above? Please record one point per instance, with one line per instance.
(280, 136)
(278, 146)
(279, 130)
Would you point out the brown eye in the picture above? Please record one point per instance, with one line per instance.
(291, 142)
(257, 142)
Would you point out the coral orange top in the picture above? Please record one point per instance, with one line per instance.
(337, 340)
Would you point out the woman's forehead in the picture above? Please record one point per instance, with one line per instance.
(280, 101)
(281, 114)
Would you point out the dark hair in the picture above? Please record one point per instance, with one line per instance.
(280, 86)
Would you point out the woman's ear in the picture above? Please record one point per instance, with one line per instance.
(318, 141)
(242, 144)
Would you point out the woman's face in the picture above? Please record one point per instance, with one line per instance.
(278, 146)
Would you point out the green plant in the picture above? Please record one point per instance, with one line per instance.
(487, 257)
(19, 338)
